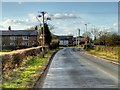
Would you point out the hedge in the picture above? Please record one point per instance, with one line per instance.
(13, 59)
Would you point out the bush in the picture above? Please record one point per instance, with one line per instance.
(109, 40)
(14, 59)
(54, 45)
(17, 58)
(6, 62)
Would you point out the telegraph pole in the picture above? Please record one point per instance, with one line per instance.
(43, 42)
(86, 28)
(78, 37)
(87, 39)
(43, 13)
(43, 33)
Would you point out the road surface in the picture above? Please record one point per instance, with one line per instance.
(70, 68)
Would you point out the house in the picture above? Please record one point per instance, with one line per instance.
(79, 40)
(65, 40)
(18, 38)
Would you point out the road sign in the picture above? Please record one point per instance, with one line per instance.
(41, 36)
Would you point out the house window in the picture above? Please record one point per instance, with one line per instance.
(25, 44)
(12, 44)
(25, 38)
(12, 37)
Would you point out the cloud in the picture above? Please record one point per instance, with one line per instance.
(115, 24)
(61, 16)
(32, 17)
(17, 23)
(54, 16)
(103, 28)
(107, 29)
(64, 16)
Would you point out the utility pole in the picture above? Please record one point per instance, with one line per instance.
(78, 37)
(43, 42)
(86, 28)
(43, 34)
(43, 13)
(87, 39)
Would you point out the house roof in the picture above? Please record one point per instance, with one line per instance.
(18, 32)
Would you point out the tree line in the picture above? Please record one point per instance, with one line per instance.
(103, 37)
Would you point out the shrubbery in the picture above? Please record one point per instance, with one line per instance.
(13, 60)
(108, 39)
(54, 45)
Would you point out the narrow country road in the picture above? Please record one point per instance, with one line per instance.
(70, 68)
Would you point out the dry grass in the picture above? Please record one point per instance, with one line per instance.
(109, 55)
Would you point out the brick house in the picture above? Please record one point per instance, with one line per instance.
(18, 38)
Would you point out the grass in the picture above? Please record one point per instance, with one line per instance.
(109, 55)
(100, 53)
(30, 70)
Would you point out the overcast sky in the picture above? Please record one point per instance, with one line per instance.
(66, 17)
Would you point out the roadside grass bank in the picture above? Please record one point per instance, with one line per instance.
(99, 53)
(29, 72)
(109, 53)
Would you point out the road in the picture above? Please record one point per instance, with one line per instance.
(70, 68)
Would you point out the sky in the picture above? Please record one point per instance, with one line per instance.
(66, 17)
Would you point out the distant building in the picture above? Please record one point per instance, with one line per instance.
(18, 38)
(79, 40)
(65, 40)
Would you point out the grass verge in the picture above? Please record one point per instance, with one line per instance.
(99, 53)
(28, 73)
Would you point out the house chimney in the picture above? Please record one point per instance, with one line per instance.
(9, 28)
